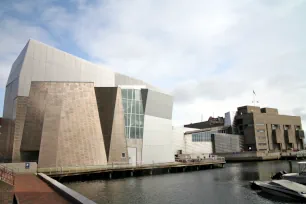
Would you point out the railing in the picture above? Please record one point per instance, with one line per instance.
(7, 175)
(118, 166)
(301, 153)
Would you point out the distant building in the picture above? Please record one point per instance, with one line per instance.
(210, 123)
(205, 141)
(265, 130)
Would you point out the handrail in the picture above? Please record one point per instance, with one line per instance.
(7, 175)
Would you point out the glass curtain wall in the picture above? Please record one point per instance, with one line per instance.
(133, 113)
(202, 136)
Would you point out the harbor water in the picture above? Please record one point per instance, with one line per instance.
(223, 185)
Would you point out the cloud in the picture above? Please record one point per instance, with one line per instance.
(210, 89)
(300, 112)
(14, 35)
(210, 54)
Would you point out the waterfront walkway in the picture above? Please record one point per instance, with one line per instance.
(30, 189)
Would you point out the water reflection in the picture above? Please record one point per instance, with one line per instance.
(227, 185)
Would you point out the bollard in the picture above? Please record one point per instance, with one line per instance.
(131, 173)
(110, 175)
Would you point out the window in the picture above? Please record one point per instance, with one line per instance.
(260, 130)
(260, 124)
(261, 137)
(123, 155)
(262, 144)
(133, 113)
(202, 136)
(274, 127)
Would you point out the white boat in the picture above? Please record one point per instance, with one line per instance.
(297, 177)
(282, 188)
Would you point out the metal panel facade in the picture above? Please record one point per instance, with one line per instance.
(157, 140)
(159, 105)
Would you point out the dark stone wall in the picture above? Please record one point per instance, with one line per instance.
(111, 113)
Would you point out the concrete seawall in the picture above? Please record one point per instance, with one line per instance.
(251, 156)
(20, 168)
(66, 192)
(6, 192)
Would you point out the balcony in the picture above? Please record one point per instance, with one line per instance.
(277, 135)
(300, 134)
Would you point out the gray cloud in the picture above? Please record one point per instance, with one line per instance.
(180, 46)
(217, 89)
(301, 111)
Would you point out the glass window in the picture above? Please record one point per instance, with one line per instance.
(128, 106)
(129, 91)
(124, 103)
(129, 120)
(140, 132)
(125, 120)
(123, 155)
(133, 112)
(124, 93)
(140, 108)
(137, 133)
(137, 95)
(133, 120)
(137, 107)
(138, 120)
(141, 120)
(132, 132)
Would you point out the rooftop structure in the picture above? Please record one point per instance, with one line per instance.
(211, 122)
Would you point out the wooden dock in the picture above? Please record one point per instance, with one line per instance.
(121, 171)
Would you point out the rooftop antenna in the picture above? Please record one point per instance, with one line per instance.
(201, 117)
(254, 99)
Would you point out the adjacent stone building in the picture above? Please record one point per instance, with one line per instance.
(265, 130)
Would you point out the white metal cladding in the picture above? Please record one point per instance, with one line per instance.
(159, 105)
(178, 139)
(197, 147)
(45, 63)
(40, 62)
(157, 140)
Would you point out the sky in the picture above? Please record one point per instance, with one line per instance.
(210, 55)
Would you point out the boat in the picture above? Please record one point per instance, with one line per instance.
(297, 177)
(282, 188)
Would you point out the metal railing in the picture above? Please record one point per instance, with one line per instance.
(118, 166)
(7, 175)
